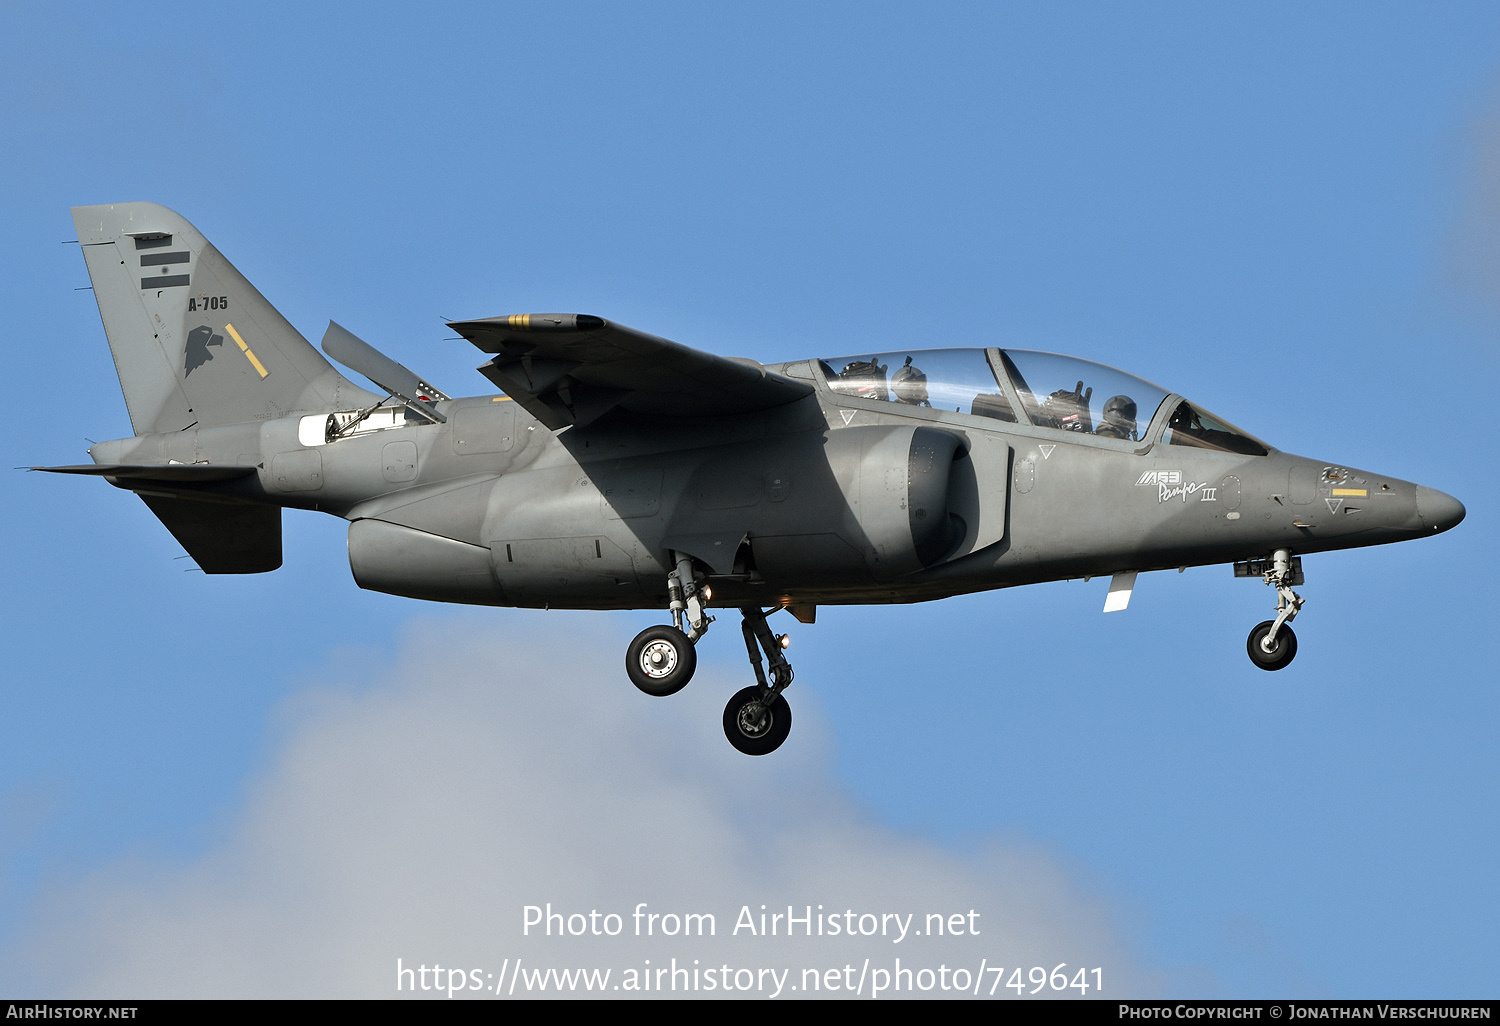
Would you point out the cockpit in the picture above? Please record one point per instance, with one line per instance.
(1062, 393)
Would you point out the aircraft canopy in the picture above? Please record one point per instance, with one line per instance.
(1060, 392)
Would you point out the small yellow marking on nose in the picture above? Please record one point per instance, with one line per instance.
(1351, 491)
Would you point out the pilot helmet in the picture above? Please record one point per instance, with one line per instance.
(910, 385)
(1119, 411)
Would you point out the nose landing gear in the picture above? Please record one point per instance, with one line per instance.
(1271, 644)
(1280, 651)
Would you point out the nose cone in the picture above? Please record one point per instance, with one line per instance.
(1438, 510)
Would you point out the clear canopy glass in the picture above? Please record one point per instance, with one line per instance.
(1060, 392)
(1070, 394)
(1191, 426)
(959, 380)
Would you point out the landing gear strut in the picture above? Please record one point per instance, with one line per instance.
(1272, 644)
(758, 719)
(661, 660)
(682, 586)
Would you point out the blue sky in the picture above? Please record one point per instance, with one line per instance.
(1287, 213)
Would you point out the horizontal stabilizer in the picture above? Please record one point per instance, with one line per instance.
(570, 369)
(167, 473)
(221, 538)
(358, 355)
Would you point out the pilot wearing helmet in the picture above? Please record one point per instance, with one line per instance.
(910, 385)
(1118, 420)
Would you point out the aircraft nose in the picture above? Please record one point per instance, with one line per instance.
(1438, 510)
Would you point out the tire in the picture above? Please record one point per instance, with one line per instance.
(1284, 653)
(769, 736)
(660, 661)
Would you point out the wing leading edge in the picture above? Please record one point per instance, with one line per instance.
(571, 369)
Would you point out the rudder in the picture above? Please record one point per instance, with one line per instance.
(194, 343)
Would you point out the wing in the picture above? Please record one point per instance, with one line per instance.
(573, 368)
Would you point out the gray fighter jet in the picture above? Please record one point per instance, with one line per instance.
(619, 470)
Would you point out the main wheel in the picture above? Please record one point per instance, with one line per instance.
(661, 661)
(752, 727)
(1281, 653)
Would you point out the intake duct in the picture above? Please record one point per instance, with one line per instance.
(935, 529)
(903, 494)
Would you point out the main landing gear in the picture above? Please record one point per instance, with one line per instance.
(757, 719)
(1272, 644)
(661, 661)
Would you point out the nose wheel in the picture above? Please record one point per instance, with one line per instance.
(1281, 650)
(1271, 644)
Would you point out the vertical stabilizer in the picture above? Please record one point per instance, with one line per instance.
(194, 342)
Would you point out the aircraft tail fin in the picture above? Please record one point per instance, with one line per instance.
(194, 343)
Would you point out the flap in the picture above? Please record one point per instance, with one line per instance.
(571, 369)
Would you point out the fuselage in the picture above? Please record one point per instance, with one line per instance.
(823, 500)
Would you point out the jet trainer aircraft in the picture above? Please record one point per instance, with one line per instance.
(623, 471)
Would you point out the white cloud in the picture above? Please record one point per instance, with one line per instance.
(491, 769)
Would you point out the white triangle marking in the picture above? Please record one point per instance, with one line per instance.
(1046, 450)
(1334, 504)
(848, 415)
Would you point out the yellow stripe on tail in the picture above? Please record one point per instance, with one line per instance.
(246, 350)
